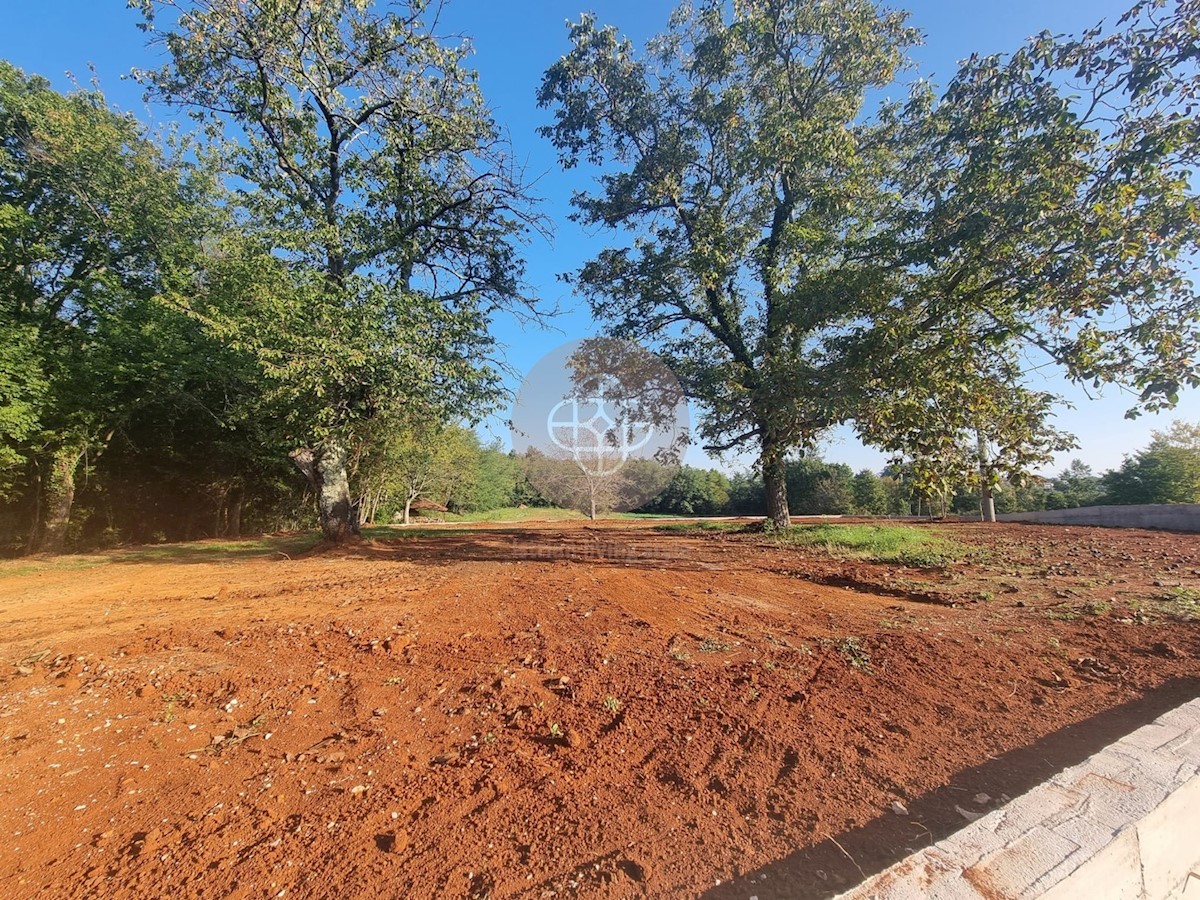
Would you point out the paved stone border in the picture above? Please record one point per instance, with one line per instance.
(1124, 824)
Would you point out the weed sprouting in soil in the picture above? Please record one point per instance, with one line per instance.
(1062, 614)
(854, 653)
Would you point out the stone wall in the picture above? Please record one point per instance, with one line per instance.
(1168, 516)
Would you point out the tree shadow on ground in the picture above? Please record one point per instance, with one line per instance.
(838, 863)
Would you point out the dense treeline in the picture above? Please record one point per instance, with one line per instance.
(1166, 471)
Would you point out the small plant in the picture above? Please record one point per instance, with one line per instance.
(489, 738)
(556, 730)
(393, 680)
(923, 559)
(713, 646)
(1067, 614)
(855, 654)
(1183, 602)
(612, 704)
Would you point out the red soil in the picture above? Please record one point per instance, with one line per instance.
(566, 710)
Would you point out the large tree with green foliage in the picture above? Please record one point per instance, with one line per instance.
(1076, 485)
(739, 162)
(363, 157)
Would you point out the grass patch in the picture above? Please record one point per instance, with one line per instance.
(903, 544)
(1180, 602)
(16, 569)
(854, 653)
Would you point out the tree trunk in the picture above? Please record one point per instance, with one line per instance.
(233, 518)
(60, 496)
(325, 469)
(987, 494)
(35, 519)
(219, 516)
(407, 506)
(988, 503)
(775, 483)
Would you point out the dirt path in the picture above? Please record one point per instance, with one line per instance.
(568, 710)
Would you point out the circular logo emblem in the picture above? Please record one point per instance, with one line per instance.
(600, 425)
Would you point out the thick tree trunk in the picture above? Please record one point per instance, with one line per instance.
(325, 469)
(59, 491)
(988, 503)
(775, 482)
(407, 507)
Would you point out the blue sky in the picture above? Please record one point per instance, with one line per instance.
(514, 43)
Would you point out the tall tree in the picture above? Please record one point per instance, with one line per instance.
(740, 163)
(362, 154)
(416, 461)
(870, 494)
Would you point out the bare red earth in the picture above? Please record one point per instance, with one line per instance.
(567, 710)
